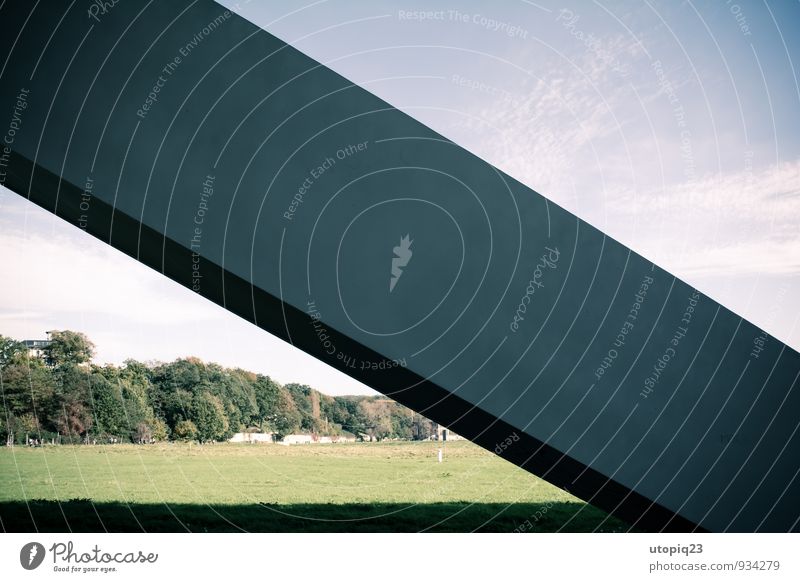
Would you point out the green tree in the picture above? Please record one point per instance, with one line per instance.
(349, 414)
(133, 389)
(108, 407)
(209, 416)
(378, 415)
(421, 427)
(402, 422)
(285, 418)
(172, 389)
(146, 431)
(72, 408)
(10, 349)
(301, 396)
(184, 399)
(68, 348)
(28, 387)
(235, 389)
(267, 394)
(185, 430)
(29, 424)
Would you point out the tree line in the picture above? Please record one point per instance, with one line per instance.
(57, 394)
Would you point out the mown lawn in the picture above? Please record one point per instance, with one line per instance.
(231, 487)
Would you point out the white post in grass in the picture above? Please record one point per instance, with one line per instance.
(440, 455)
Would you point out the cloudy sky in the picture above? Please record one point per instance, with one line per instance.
(674, 127)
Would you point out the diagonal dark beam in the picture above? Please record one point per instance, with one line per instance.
(218, 155)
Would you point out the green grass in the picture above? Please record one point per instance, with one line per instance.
(227, 487)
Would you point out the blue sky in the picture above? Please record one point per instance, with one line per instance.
(674, 127)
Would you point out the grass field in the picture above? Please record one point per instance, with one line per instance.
(230, 487)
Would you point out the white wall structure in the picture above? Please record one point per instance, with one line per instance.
(252, 437)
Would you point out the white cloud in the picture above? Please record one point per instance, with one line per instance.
(739, 223)
(118, 284)
(58, 277)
